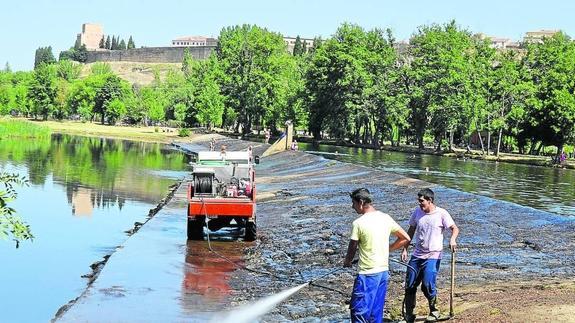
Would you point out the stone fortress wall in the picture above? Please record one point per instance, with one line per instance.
(149, 54)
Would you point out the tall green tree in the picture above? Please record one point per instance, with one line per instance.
(43, 91)
(102, 44)
(337, 80)
(108, 42)
(551, 67)
(44, 55)
(112, 89)
(122, 45)
(298, 47)
(131, 44)
(248, 56)
(440, 67)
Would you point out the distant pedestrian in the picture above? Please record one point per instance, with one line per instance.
(370, 232)
(267, 135)
(212, 144)
(294, 145)
(427, 224)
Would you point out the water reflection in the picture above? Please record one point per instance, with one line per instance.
(548, 189)
(207, 273)
(83, 194)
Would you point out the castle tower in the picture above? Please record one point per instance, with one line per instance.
(91, 35)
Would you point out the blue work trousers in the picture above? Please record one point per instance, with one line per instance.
(426, 275)
(368, 297)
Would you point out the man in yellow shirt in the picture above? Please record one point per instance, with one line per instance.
(370, 232)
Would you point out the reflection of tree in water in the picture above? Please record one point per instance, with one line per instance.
(110, 169)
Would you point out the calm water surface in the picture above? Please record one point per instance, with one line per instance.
(83, 194)
(543, 188)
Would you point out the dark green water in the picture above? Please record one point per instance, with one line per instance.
(83, 194)
(543, 188)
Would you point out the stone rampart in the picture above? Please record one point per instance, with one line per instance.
(149, 54)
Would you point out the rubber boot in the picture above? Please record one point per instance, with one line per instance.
(434, 313)
(409, 303)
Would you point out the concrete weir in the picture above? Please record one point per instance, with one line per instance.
(304, 219)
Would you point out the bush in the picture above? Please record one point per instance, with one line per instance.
(184, 132)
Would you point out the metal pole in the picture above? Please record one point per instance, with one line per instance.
(452, 291)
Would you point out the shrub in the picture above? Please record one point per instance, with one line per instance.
(183, 132)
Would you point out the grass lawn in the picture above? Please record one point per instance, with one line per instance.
(148, 134)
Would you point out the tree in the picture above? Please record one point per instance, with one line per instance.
(298, 47)
(440, 67)
(131, 44)
(11, 226)
(551, 67)
(115, 110)
(82, 97)
(250, 61)
(113, 88)
(208, 102)
(187, 63)
(44, 55)
(43, 90)
(68, 70)
(7, 68)
(336, 81)
(102, 43)
(114, 43)
(108, 42)
(122, 45)
(78, 43)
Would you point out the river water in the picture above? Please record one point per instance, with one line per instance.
(83, 194)
(543, 188)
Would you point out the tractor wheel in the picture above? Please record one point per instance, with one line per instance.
(195, 229)
(250, 231)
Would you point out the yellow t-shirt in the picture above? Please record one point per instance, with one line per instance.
(372, 230)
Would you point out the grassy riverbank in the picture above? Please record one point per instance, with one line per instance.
(14, 128)
(90, 129)
(168, 135)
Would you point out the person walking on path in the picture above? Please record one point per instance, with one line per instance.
(427, 224)
(267, 135)
(370, 232)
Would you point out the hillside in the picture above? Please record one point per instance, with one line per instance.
(135, 72)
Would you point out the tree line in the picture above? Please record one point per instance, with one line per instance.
(443, 88)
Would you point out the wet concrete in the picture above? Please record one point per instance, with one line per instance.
(304, 220)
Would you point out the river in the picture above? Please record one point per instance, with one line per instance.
(83, 194)
(543, 188)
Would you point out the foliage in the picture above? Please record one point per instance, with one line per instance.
(131, 44)
(11, 226)
(68, 70)
(183, 132)
(551, 68)
(359, 86)
(43, 91)
(44, 55)
(13, 128)
(101, 68)
(250, 58)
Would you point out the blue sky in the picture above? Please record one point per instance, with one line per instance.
(26, 25)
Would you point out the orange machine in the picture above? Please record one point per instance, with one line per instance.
(222, 190)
